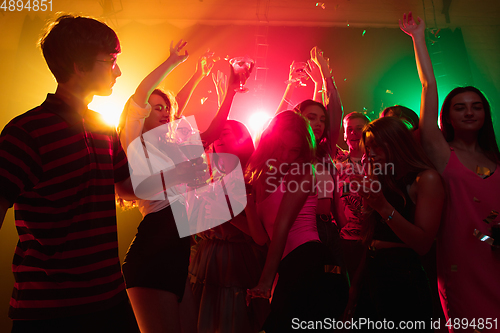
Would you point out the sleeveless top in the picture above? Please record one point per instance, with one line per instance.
(131, 131)
(468, 268)
(304, 227)
(405, 207)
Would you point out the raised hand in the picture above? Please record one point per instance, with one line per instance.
(320, 60)
(296, 72)
(314, 72)
(220, 82)
(235, 79)
(410, 27)
(206, 63)
(175, 55)
(153, 79)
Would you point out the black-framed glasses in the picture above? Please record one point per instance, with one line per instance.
(112, 62)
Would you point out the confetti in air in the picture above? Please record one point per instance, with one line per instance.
(493, 215)
(483, 238)
(203, 100)
(321, 4)
(483, 171)
(364, 32)
(389, 92)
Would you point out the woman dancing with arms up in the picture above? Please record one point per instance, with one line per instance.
(156, 265)
(465, 153)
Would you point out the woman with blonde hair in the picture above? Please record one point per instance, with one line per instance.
(155, 267)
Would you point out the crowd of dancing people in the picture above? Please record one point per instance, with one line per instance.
(291, 232)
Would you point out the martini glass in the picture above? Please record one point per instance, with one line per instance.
(240, 66)
(298, 74)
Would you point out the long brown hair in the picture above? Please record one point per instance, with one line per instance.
(401, 149)
(398, 144)
(270, 142)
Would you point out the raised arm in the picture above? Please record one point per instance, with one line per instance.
(220, 82)
(431, 137)
(203, 68)
(314, 73)
(333, 102)
(286, 101)
(150, 82)
(213, 131)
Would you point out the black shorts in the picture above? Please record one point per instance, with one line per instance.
(305, 291)
(157, 257)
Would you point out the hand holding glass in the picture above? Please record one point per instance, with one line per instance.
(240, 66)
(298, 74)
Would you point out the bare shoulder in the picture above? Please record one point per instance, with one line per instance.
(429, 180)
(429, 175)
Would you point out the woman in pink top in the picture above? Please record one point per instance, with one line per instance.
(324, 114)
(281, 172)
(466, 154)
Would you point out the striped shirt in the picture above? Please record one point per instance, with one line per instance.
(58, 169)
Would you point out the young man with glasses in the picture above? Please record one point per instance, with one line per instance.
(59, 167)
